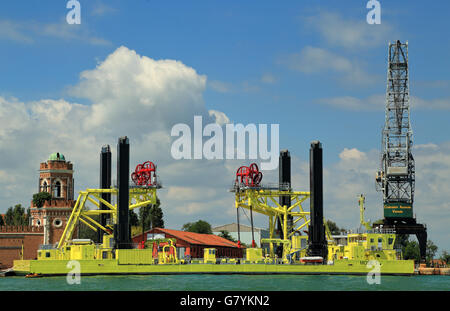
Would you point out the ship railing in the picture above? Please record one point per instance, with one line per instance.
(375, 230)
(237, 186)
(47, 246)
(157, 184)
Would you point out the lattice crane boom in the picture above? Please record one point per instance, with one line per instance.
(396, 179)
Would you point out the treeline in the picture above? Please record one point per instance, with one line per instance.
(16, 216)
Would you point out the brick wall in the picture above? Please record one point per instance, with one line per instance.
(11, 240)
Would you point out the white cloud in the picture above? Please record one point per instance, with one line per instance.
(101, 9)
(314, 60)
(220, 86)
(430, 104)
(352, 155)
(373, 102)
(29, 32)
(429, 146)
(350, 33)
(70, 33)
(378, 102)
(137, 94)
(220, 117)
(268, 78)
(13, 31)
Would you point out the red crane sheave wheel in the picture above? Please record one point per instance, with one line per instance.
(249, 175)
(144, 174)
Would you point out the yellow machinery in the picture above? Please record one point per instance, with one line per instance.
(254, 255)
(364, 223)
(366, 246)
(360, 246)
(209, 255)
(139, 196)
(168, 258)
(266, 202)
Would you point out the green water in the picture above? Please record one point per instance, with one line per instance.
(228, 283)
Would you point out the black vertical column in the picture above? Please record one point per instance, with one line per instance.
(317, 241)
(422, 238)
(238, 227)
(284, 172)
(123, 239)
(105, 183)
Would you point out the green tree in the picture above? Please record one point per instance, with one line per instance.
(199, 226)
(411, 251)
(9, 217)
(40, 198)
(445, 256)
(334, 229)
(28, 217)
(151, 216)
(19, 215)
(378, 222)
(401, 241)
(226, 235)
(2, 222)
(16, 216)
(157, 215)
(133, 218)
(431, 251)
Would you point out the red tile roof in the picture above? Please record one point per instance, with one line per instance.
(198, 238)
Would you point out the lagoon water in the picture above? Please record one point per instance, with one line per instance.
(207, 282)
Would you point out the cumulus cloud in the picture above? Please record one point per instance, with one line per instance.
(129, 94)
(352, 155)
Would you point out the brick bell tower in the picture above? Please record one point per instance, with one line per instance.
(56, 178)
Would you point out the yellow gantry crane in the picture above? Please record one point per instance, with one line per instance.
(139, 196)
(266, 202)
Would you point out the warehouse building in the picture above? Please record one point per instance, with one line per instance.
(245, 233)
(192, 244)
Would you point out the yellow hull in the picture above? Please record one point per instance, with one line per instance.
(111, 266)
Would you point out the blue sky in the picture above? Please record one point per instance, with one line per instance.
(298, 64)
(237, 42)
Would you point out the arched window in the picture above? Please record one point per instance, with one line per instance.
(57, 190)
(44, 186)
